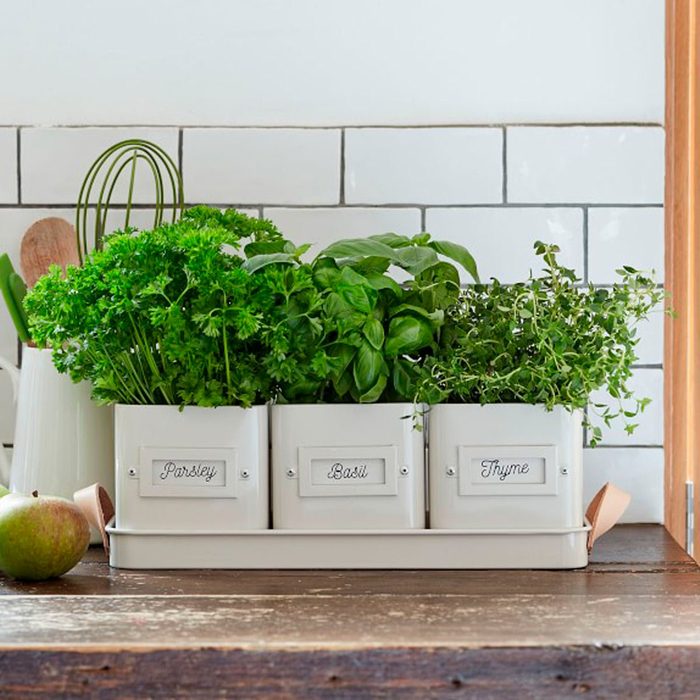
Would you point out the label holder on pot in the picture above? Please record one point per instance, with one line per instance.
(508, 470)
(187, 472)
(348, 471)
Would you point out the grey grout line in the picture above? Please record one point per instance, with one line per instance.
(179, 151)
(603, 446)
(19, 166)
(341, 198)
(356, 205)
(585, 245)
(504, 166)
(456, 125)
(600, 446)
(422, 219)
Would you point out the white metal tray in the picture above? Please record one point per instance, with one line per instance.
(350, 549)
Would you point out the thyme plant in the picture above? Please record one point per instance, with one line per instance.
(548, 341)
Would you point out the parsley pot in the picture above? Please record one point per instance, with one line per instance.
(347, 467)
(195, 469)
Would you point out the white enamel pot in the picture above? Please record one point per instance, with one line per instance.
(63, 440)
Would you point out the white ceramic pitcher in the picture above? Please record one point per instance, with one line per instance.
(63, 440)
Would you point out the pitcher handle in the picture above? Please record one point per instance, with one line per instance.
(14, 373)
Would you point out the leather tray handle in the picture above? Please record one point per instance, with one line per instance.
(97, 507)
(605, 510)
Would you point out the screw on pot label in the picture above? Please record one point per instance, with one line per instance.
(192, 472)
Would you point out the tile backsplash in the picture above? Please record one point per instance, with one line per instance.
(597, 191)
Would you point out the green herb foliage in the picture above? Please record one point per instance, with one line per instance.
(373, 333)
(218, 309)
(170, 316)
(546, 341)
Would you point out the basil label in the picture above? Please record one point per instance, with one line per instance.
(348, 471)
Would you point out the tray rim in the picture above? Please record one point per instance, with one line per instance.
(271, 533)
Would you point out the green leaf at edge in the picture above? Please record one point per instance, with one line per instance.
(459, 254)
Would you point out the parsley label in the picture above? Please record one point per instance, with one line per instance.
(189, 472)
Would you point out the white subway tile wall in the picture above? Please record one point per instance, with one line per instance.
(650, 350)
(54, 161)
(602, 165)
(321, 227)
(595, 191)
(637, 470)
(8, 165)
(490, 232)
(423, 166)
(268, 166)
(311, 63)
(625, 237)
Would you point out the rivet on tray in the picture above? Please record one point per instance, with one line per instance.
(132, 471)
(291, 472)
(245, 474)
(403, 471)
(450, 471)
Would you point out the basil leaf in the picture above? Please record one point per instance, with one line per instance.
(402, 380)
(257, 262)
(459, 254)
(368, 367)
(417, 260)
(392, 239)
(358, 248)
(375, 392)
(374, 332)
(344, 383)
(384, 282)
(342, 355)
(265, 248)
(407, 334)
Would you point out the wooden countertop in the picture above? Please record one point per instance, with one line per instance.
(627, 625)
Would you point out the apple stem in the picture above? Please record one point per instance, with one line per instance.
(35, 494)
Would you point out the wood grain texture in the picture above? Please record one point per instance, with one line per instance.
(397, 673)
(619, 564)
(682, 241)
(626, 626)
(47, 242)
(329, 621)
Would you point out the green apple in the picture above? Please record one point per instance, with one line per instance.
(40, 536)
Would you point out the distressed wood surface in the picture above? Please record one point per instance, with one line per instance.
(653, 673)
(628, 625)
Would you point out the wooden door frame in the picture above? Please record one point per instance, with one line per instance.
(682, 245)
